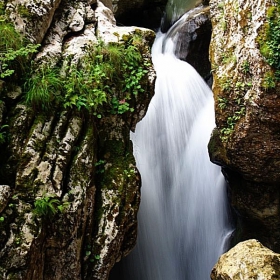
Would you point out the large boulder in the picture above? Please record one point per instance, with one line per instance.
(247, 260)
(246, 88)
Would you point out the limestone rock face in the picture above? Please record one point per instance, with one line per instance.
(246, 91)
(247, 260)
(77, 165)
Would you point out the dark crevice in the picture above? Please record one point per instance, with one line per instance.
(73, 154)
(72, 34)
(148, 16)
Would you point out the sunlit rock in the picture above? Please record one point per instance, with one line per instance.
(247, 260)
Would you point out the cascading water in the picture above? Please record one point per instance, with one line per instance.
(183, 216)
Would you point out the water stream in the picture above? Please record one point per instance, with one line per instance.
(183, 218)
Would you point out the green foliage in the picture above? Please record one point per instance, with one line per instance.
(226, 83)
(43, 87)
(24, 11)
(269, 80)
(222, 103)
(48, 206)
(269, 41)
(105, 80)
(231, 122)
(245, 67)
(14, 51)
(85, 87)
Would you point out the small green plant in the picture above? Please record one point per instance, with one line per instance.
(48, 206)
(120, 106)
(222, 103)
(245, 67)
(226, 84)
(231, 122)
(14, 50)
(269, 80)
(228, 58)
(128, 172)
(108, 77)
(2, 219)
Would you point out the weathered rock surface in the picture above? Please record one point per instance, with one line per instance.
(193, 39)
(247, 140)
(247, 260)
(82, 162)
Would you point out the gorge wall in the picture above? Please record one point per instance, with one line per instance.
(244, 54)
(69, 188)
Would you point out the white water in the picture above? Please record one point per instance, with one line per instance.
(183, 220)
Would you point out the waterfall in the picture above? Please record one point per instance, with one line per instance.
(183, 218)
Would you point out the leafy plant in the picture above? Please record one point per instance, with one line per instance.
(109, 74)
(231, 122)
(48, 206)
(106, 79)
(222, 103)
(269, 80)
(14, 50)
(245, 67)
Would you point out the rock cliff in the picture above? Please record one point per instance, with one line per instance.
(69, 188)
(244, 54)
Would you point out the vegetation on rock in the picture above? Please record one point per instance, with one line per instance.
(14, 49)
(104, 80)
(269, 42)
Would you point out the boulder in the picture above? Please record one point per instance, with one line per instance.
(247, 260)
